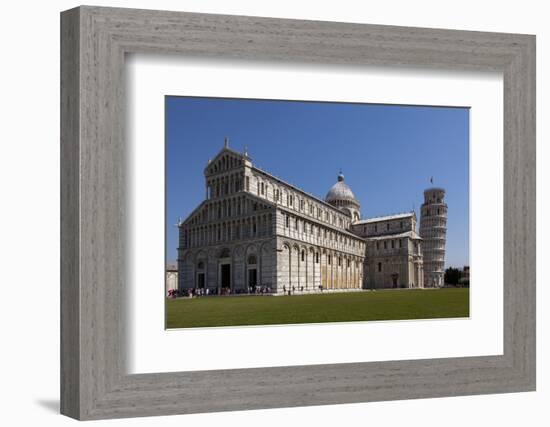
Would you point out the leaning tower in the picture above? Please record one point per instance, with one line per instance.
(433, 229)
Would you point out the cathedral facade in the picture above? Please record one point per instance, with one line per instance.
(254, 230)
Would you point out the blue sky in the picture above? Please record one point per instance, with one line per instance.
(387, 153)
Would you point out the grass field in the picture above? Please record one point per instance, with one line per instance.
(337, 307)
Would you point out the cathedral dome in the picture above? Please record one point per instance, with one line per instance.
(340, 192)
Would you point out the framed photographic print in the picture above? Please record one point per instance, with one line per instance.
(281, 213)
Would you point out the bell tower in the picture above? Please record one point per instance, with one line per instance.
(433, 230)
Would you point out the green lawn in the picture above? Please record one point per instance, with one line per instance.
(338, 307)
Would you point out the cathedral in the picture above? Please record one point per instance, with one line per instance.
(253, 230)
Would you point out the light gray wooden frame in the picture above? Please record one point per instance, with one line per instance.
(94, 41)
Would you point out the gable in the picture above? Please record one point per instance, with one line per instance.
(225, 160)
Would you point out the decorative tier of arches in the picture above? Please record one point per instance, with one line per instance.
(303, 268)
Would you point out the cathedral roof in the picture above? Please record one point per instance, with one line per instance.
(340, 191)
(313, 196)
(412, 234)
(386, 218)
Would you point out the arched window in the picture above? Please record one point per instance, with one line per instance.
(303, 255)
(225, 252)
(200, 265)
(317, 258)
(252, 259)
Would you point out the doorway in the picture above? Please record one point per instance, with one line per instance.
(226, 276)
(252, 279)
(200, 280)
(394, 278)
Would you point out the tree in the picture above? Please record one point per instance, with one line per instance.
(452, 276)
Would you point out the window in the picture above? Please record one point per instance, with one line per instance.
(377, 245)
(385, 245)
(252, 259)
(392, 244)
(317, 258)
(339, 261)
(401, 224)
(301, 204)
(291, 200)
(379, 267)
(296, 224)
(375, 228)
(247, 181)
(400, 243)
(329, 259)
(348, 263)
(303, 255)
(388, 226)
(287, 221)
(262, 188)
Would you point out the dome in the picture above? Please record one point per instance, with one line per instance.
(340, 192)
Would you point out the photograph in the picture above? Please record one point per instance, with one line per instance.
(292, 212)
